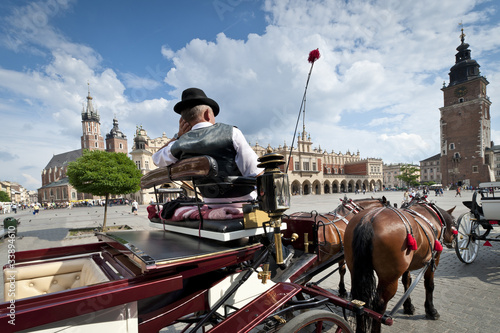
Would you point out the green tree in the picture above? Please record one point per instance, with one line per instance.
(4, 197)
(409, 174)
(103, 173)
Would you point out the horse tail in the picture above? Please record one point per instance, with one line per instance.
(363, 276)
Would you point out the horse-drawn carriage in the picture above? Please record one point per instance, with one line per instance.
(225, 276)
(250, 274)
(475, 225)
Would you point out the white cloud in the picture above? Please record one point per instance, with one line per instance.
(133, 81)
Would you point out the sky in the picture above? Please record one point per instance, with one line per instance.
(376, 88)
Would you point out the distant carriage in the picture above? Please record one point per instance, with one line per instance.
(475, 225)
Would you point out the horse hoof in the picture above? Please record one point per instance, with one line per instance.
(409, 310)
(434, 315)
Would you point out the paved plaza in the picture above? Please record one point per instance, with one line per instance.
(467, 296)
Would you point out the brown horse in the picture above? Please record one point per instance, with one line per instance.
(392, 242)
(330, 228)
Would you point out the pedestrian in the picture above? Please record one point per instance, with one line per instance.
(36, 209)
(458, 192)
(14, 208)
(135, 205)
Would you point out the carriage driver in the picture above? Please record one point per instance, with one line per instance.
(199, 134)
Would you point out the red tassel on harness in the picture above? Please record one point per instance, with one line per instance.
(411, 242)
(437, 246)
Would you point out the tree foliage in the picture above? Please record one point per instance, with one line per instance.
(103, 173)
(4, 197)
(409, 174)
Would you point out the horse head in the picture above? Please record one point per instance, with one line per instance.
(450, 230)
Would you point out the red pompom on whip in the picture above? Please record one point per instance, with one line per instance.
(313, 56)
(411, 242)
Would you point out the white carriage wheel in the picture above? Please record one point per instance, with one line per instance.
(467, 244)
(316, 321)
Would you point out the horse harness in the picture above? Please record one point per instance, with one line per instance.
(432, 208)
(351, 206)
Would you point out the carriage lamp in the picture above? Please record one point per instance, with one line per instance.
(274, 195)
(274, 191)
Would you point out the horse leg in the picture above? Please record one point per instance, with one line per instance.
(409, 309)
(430, 310)
(342, 271)
(385, 292)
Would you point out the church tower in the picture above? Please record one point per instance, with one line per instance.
(91, 138)
(465, 123)
(116, 141)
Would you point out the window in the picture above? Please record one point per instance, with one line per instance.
(475, 169)
(96, 145)
(121, 145)
(314, 166)
(138, 163)
(146, 165)
(305, 166)
(297, 165)
(452, 146)
(456, 155)
(95, 137)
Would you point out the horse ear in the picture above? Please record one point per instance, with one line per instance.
(449, 211)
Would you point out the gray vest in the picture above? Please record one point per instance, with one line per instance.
(215, 141)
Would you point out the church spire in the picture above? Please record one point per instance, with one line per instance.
(89, 113)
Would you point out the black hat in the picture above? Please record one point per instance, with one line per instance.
(192, 97)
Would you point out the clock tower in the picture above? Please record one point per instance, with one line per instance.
(465, 123)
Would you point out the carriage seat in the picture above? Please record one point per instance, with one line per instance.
(192, 169)
(44, 278)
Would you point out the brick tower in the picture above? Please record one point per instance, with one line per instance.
(91, 138)
(116, 141)
(465, 123)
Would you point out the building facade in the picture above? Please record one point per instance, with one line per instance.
(430, 170)
(393, 171)
(466, 158)
(16, 192)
